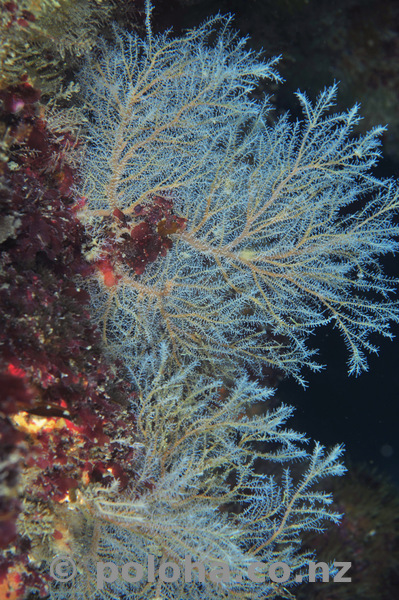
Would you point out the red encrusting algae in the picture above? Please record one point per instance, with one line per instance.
(59, 395)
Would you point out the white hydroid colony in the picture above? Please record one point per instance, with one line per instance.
(269, 251)
(266, 254)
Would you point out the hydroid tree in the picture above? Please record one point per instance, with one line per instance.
(256, 243)
(195, 455)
